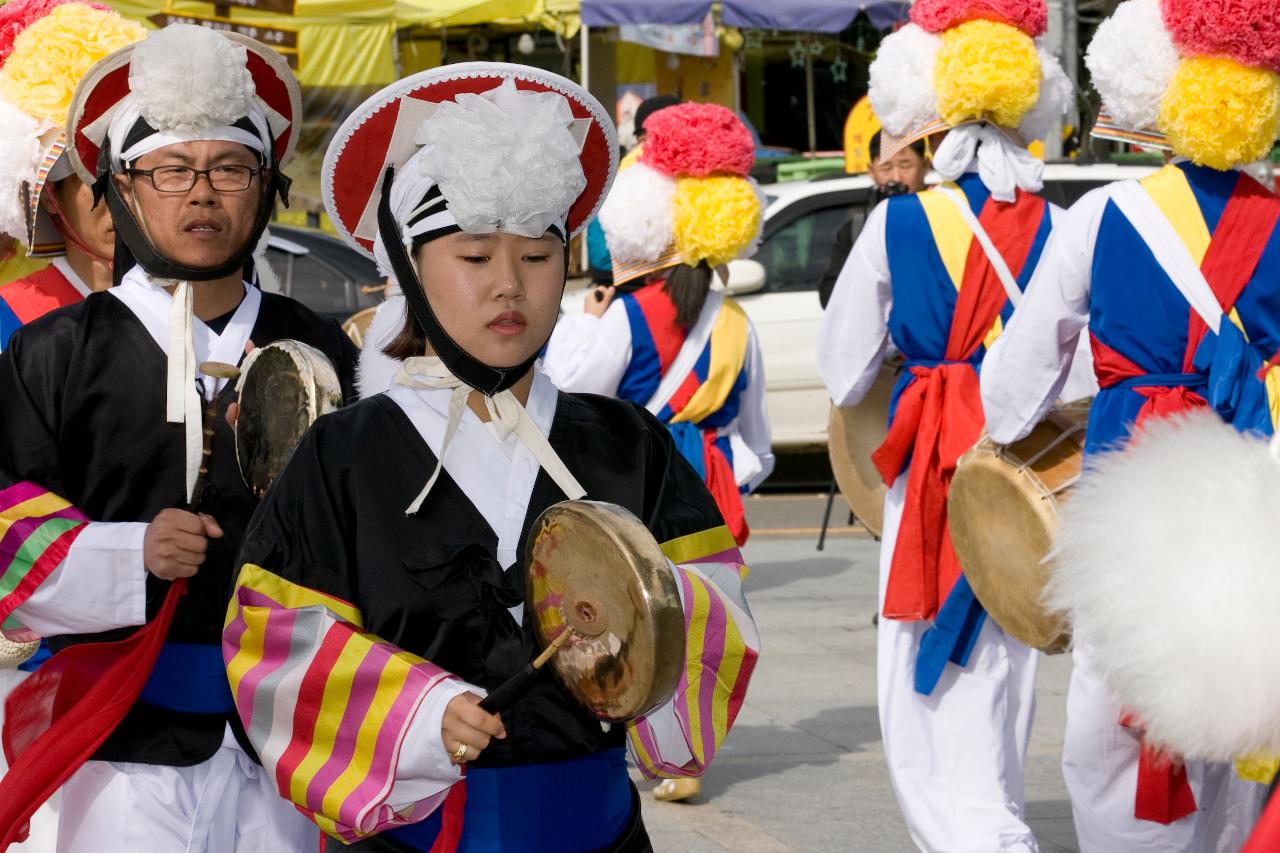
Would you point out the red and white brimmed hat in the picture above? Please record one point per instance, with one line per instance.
(45, 49)
(501, 176)
(115, 101)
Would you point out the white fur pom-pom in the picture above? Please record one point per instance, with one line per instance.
(20, 156)
(1056, 94)
(1168, 568)
(1131, 88)
(188, 79)
(504, 159)
(376, 370)
(901, 85)
(637, 215)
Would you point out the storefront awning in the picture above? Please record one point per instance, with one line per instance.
(826, 16)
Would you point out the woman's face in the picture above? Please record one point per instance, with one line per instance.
(497, 295)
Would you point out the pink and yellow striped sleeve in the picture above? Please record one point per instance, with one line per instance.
(37, 529)
(327, 704)
(681, 738)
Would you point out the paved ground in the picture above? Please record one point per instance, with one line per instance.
(803, 769)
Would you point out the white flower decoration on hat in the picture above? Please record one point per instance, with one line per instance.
(636, 216)
(1131, 90)
(21, 151)
(188, 79)
(1056, 94)
(901, 82)
(504, 159)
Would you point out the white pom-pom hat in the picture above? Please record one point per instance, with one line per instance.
(1132, 90)
(182, 97)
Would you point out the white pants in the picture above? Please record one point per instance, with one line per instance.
(1100, 763)
(955, 756)
(227, 804)
(44, 823)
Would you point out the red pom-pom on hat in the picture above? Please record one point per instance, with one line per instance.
(934, 16)
(1247, 31)
(17, 15)
(697, 140)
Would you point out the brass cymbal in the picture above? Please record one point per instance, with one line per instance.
(595, 570)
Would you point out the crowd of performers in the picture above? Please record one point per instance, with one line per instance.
(222, 671)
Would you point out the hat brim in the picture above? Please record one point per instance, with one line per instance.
(44, 240)
(107, 83)
(381, 133)
(1109, 129)
(892, 146)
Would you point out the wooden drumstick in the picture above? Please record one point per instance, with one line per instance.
(517, 685)
(218, 370)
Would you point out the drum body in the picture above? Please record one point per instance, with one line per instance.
(1003, 512)
(357, 325)
(853, 434)
(595, 570)
(283, 388)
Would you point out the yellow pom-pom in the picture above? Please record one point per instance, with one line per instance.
(50, 56)
(1220, 113)
(986, 71)
(715, 218)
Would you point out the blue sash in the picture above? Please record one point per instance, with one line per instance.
(191, 678)
(577, 805)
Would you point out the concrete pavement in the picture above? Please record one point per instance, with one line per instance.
(803, 769)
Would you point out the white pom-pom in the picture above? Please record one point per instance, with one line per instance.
(504, 159)
(1167, 566)
(20, 154)
(1056, 93)
(637, 215)
(376, 370)
(1132, 60)
(188, 79)
(901, 85)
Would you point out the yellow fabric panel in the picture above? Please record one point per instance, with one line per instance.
(1260, 770)
(728, 353)
(695, 546)
(1173, 195)
(14, 263)
(292, 596)
(1272, 381)
(997, 329)
(951, 233)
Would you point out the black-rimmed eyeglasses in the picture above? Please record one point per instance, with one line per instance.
(180, 179)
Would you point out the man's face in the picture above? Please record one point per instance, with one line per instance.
(200, 227)
(906, 167)
(74, 205)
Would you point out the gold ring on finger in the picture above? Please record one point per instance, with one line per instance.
(460, 754)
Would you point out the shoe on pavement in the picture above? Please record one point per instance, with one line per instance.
(674, 790)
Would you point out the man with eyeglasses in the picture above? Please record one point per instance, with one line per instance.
(101, 445)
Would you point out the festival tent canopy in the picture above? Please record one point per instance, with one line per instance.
(826, 16)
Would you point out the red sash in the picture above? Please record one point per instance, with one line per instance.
(56, 719)
(939, 417)
(39, 293)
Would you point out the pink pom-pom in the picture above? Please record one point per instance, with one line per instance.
(934, 16)
(1247, 31)
(697, 140)
(17, 15)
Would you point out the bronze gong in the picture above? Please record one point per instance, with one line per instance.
(595, 572)
(283, 387)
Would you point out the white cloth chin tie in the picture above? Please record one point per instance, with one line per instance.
(182, 403)
(1003, 166)
(505, 412)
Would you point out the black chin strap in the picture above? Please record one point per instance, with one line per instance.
(475, 373)
(134, 247)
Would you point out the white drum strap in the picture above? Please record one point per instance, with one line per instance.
(1003, 272)
(687, 358)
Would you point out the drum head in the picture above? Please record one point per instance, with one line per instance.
(357, 325)
(593, 568)
(853, 434)
(1002, 528)
(285, 386)
(14, 654)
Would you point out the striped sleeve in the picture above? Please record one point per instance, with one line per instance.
(326, 704)
(722, 644)
(37, 529)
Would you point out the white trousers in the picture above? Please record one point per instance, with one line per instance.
(1100, 763)
(956, 756)
(44, 823)
(227, 804)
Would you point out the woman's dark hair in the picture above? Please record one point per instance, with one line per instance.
(687, 286)
(410, 342)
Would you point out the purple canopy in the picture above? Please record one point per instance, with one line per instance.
(825, 16)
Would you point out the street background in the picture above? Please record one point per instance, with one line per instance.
(803, 768)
